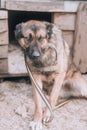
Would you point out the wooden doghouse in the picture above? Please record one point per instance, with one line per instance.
(12, 12)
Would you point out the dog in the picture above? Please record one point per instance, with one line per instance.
(48, 56)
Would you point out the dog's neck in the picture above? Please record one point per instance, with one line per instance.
(45, 69)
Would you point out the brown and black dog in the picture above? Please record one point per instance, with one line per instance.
(48, 58)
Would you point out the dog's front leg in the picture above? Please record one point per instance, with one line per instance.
(59, 78)
(36, 124)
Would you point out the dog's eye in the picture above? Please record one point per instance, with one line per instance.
(30, 38)
(41, 39)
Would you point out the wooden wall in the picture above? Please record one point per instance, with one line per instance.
(3, 42)
(66, 22)
(80, 46)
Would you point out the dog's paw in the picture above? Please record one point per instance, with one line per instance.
(35, 125)
(47, 117)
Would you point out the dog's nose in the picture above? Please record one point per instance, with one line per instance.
(33, 53)
(36, 54)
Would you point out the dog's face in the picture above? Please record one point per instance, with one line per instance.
(34, 37)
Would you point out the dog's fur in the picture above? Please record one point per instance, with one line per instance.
(48, 57)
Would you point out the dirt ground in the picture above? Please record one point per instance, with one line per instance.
(17, 107)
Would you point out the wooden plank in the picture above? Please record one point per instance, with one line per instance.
(35, 6)
(66, 21)
(3, 25)
(4, 38)
(3, 14)
(69, 38)
(16, 65)
(3, 66)
(68, 6)
(80, 48)
(10, 75)
(71, 6)
(3, 2)
(4, 51)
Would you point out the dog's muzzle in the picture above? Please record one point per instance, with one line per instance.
(33, 53)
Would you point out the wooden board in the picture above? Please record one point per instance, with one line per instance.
(3, 66)
(4, 51)
(4, 38)
(16, 63)
(3, 14)
(80, 48)
(41, 5)
(3, 2)
(3, 25)
(35, 6)
(69, 37)
(10, 75)
(66, 21)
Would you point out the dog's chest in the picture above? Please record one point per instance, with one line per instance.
(48, 82)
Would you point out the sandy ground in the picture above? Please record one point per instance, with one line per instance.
(17, 107)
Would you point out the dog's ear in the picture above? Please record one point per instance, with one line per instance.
(49, 27)
(19, 34)
(18, 31)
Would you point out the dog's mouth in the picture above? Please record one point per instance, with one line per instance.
(37, 63)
